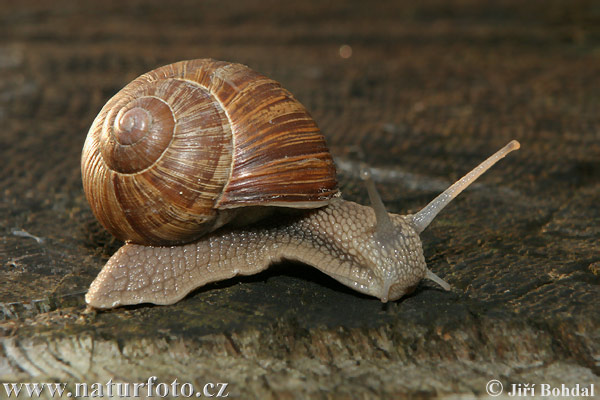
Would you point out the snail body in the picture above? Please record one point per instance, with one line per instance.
(196, 145)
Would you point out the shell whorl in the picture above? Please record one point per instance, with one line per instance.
(175, 149)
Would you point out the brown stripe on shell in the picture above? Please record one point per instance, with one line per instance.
(162, 220)
(100, 195)
(221, 110)
(178, 193)
(171, 200)
(272, 132)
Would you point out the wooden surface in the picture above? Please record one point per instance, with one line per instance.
(428, 91)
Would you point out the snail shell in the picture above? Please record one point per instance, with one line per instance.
(178, 151)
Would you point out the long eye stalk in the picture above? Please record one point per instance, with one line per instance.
(384, 223)
(423, 218)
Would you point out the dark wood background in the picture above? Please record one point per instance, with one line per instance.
(430, 90)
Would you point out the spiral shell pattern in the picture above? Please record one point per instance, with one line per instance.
(170, 155)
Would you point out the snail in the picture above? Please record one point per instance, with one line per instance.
(208, 170)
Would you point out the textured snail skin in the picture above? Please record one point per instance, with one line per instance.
(337, 239)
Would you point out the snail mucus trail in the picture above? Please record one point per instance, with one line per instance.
(180, 163)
